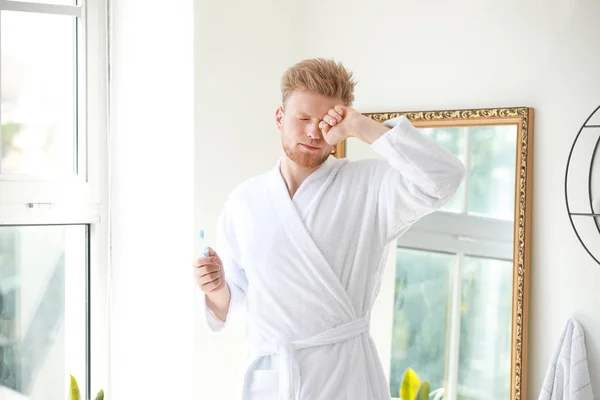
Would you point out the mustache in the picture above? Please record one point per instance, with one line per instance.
(311, 144)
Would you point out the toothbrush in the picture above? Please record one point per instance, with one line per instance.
(203, 243)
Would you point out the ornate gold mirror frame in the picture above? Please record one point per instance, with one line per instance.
(522, 117)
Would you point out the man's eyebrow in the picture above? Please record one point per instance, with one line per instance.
(303, 114)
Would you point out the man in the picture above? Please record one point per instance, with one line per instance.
(304, 245)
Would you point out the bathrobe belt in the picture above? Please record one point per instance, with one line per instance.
(289, 371)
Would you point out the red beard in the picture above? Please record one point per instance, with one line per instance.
(303, 158)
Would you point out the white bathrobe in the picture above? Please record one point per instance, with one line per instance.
(309, 268)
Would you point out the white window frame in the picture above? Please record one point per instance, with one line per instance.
(82, 198)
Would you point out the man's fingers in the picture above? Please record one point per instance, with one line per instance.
(204, 261)
(324, 125)
(214, 285)
(215, 257)
(330, 120)
(336, 115)
(213, 276)
(340, 110)
(207, 269)
(207, 261)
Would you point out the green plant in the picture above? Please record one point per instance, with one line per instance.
(412, 388)
(75, 394)
(424, 390)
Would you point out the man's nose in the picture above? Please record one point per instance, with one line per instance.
(313, 131)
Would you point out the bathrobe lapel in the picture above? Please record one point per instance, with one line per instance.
(300, 239)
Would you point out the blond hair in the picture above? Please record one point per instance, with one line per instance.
(321, 76)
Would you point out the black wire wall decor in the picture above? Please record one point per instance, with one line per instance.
(582, 185)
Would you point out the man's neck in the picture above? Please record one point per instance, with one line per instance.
(293, 174)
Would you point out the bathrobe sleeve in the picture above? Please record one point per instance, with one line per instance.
(235, 275)
(419, 177)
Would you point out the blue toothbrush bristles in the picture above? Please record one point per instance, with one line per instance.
(203, 243)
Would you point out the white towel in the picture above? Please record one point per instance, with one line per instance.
(568, 377)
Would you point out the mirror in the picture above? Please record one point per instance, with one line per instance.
(454, 305)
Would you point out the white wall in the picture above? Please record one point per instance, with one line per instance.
(152, 200)
(242, 48)
(413, 56)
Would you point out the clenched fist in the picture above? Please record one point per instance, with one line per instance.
(209, 273)
(339, 124)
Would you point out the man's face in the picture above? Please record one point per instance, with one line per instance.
(301, 137)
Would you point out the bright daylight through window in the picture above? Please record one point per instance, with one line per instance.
(51, 194)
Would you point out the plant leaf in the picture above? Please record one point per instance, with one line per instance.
(424, 391)
(100, 395)
(410, 385)
(74, 393)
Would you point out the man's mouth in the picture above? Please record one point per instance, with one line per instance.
(309, 147)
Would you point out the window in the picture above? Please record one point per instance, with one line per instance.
(452, 315)
(53, 238)
(42, 298)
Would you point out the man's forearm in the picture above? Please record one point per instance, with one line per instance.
(218, 302)
(369, 130)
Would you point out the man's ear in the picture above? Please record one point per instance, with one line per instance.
(279, 118)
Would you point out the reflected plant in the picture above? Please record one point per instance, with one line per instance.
(412, 388)
(75, 394)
